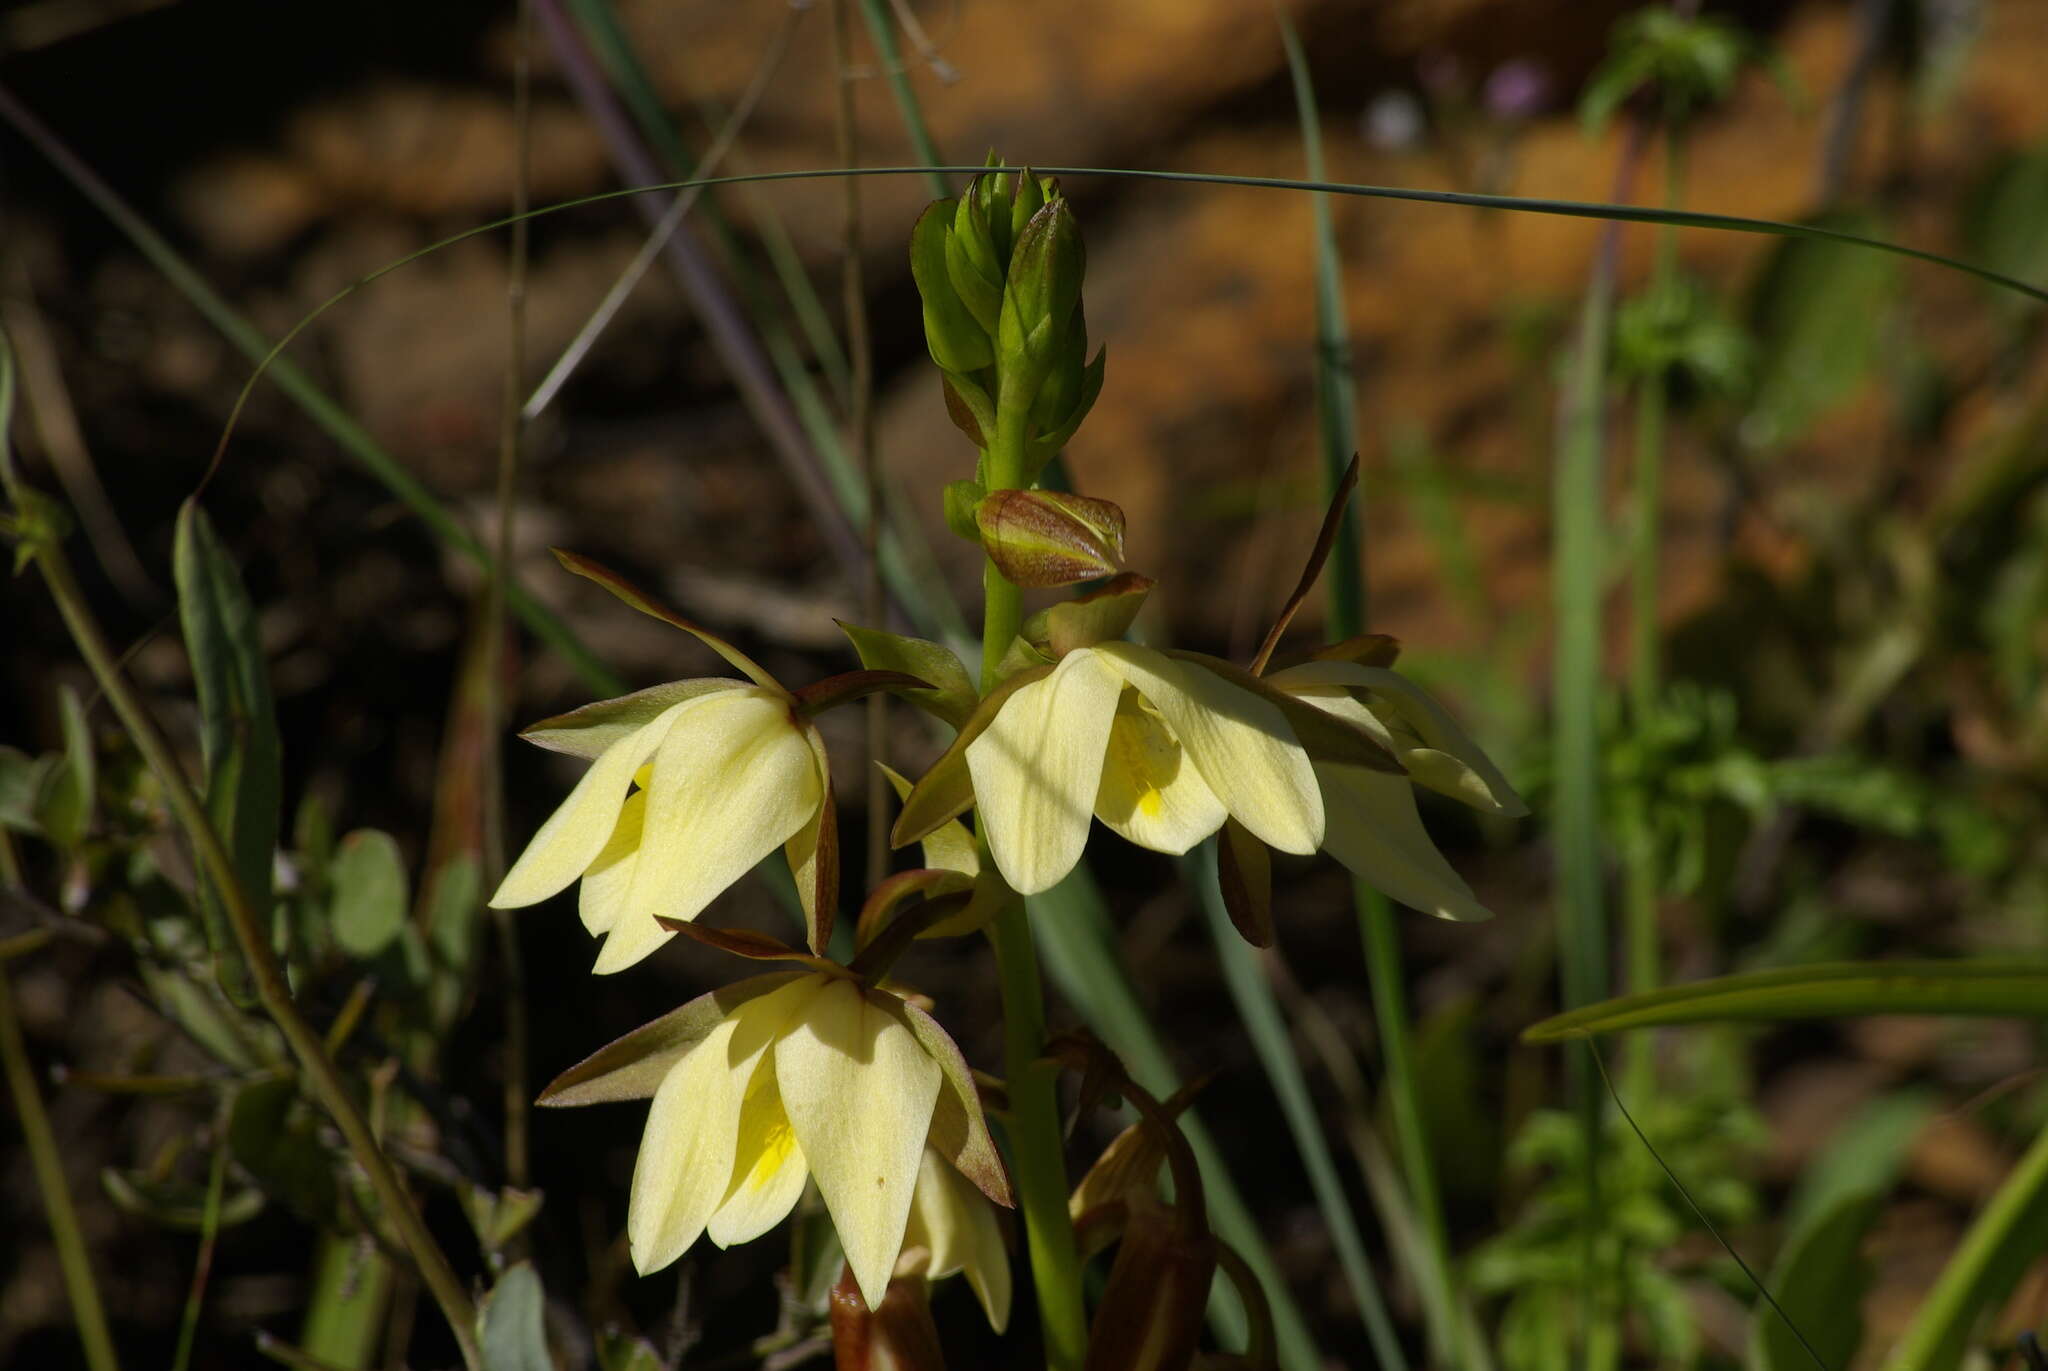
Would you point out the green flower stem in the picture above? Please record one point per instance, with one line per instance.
(1036, 1140)
(1035, 1145)
(86, 1310)
(1002, 603)
(271, 987)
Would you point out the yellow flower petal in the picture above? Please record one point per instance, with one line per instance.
(769, 1168)
(686, 1154)
(957, 1225)
(577, 832)
(1240, 743)
(602, 895)
(859, 1091)
(1037, 766)
(1151, 792)
(1375, 830)
(733, 780)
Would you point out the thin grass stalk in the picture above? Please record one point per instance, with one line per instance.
(1350, 595)
(1577, 575)
(88, 1313)
(351, 436)
(860, 429)
(511, 441)
(1647, 496)
(882, 32)
(725, 134)
(1252, 991)
(731, 335)
(212, 857)
(202, 1265)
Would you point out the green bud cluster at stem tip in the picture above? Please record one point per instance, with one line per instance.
(999, 271)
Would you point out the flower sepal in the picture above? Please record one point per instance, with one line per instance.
(1102, 615)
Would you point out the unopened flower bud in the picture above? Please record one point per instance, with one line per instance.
(1050, 538)
(1039, 302)
(1151, 1314)
(957, 340)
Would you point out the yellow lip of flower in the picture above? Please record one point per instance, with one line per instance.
(953, 1231)
(1374, 827)
(817, 1077)
(1158, 748)
(725, 774)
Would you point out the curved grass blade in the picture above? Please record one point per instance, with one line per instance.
(1832, 990)
(1260, 1012)
(2000, 1246)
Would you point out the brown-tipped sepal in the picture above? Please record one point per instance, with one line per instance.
(1244, 873)
(1102, 615)
(648, 604)
(1049, 537)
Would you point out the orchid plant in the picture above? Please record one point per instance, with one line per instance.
(835, 1072)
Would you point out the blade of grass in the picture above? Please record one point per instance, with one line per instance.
(728, 132)
(1072, 929)
(1830, 990)
(202, 1265)
(2001, 1244)
(351, 436)
(1259, 1009)
(883, 33)
(87, 1311)
(1578, 563)
(497, 638)
(1350, 594)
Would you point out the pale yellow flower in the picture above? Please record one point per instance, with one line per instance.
(818, 1077)
(1159, 748)
(692, 784)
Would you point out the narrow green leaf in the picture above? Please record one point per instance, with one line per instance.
(237, 727)
(64, 808)
(21, 780)
(351, 1292)
(276, 1141)
(2000, 1246)
(1833, 990)
(511, 1324)
(174, 1203)
(952, 695)
(1819, 313)
(1259, 1009)
(1820, 1279)
(370, 892)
